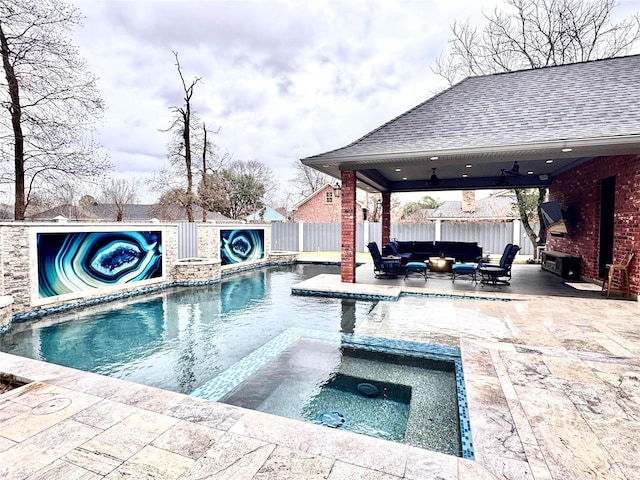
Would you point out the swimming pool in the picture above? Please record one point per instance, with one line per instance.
(186, 339)
(179, 338)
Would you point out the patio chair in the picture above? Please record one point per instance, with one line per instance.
(384, 267)
(623, 268)
(499, 273)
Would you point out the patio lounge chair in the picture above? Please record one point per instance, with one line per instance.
(499, 273)
(384, 266)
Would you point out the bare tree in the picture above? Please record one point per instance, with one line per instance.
(120, 192)
(180, 148)
(535, 34)
(308, 180)
(49, 99)
(169, 206)
(212, 162)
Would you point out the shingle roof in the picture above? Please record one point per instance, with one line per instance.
(499, 207)
(578, 101)
(132, 213)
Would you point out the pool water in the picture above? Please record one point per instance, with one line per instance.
(325, 378)
(183, 337)
(248, 341)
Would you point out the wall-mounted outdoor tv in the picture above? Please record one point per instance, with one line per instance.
(553, 219)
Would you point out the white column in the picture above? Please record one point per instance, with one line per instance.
(365, 235)
(517, 232)
(301, 236)
(438, 229)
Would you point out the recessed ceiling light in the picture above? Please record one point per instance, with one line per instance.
(464, 175)
(549, 161)
(468, 165)
(404, 178)
(567, 149)
(397, 169)
(433, 158)
(530, 172)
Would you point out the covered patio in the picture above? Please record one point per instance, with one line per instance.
(528, 281)
(570, 128)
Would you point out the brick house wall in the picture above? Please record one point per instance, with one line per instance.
(323, 206)
(578, 193)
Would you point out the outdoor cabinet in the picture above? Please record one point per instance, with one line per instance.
(565, 265)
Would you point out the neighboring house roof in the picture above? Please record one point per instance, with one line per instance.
(491, 121)
(317, 192)
(132, 213)
(266, 214)
(311, 195)
(5, 214)
(490, 207)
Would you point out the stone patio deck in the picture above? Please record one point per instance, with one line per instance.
(553, 387)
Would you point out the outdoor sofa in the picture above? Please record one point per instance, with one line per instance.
(417, 251)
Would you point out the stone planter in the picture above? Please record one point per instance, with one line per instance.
(196, 270)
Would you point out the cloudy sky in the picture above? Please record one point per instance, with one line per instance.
(282, 80)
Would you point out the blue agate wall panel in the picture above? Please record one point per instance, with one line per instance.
(239, 246)
(70, 263)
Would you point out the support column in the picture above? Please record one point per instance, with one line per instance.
(301, 236)
(386, 218)
(517, 232)
(348, 226)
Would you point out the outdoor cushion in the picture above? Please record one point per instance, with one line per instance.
(415, 267)
(463, 269)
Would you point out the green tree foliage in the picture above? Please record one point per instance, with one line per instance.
(410, 209)
(237, 190)
(528, 207)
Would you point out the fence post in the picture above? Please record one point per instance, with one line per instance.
(301, 236)
(517, 232)
(365, 234)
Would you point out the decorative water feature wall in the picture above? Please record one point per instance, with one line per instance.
(44, 265)
(70, 263)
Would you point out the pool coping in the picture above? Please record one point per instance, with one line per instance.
(303, 441)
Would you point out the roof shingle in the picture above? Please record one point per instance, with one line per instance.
(587, 100)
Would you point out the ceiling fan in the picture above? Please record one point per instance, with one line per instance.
(515, 170)
(433, 180)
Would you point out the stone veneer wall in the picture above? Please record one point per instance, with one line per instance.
(18, 267)
(15, 265)
(578, 193)
(196, 270)
(209, 241)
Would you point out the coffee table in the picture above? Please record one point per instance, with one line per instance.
(441, 264)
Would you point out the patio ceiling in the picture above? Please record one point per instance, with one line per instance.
(547, 120)
(471, 169)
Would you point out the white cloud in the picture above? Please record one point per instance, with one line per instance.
(283, 79)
